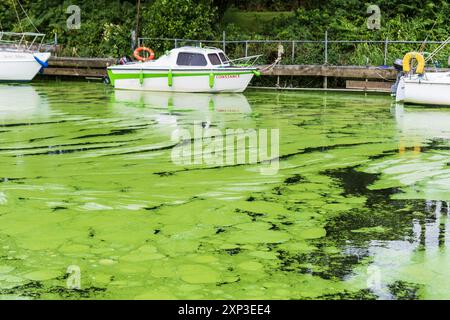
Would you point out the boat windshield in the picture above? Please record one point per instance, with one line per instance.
(223, 58)
(214, 58)
(191, 59)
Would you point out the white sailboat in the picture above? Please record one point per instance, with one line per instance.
(417, 86)
(19, 60)
(429, 89)
(20, 53)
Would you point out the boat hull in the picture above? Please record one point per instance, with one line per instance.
(20, 66)
(182, 81)
(432, 90)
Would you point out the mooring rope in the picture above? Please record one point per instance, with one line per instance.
(271, 66)
(29, 19)
(17, 15)
(438, 49)
(277, 60)
(424, 43)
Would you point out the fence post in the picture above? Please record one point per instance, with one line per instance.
(246, 48)
(386, 43)
(325, 79)
(176, 43)
(55, 44)
(223, 42)
(293, 51)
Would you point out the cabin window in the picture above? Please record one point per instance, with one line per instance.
(191, 59)
(214, 58)
(223, 57)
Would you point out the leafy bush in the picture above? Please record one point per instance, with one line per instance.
(107, 24)
(184, 19)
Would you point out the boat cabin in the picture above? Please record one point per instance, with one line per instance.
(189, 57)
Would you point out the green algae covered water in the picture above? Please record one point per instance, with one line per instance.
(93, 204)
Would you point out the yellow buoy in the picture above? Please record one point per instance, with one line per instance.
(420, 61)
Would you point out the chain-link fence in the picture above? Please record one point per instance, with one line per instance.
(331, 52)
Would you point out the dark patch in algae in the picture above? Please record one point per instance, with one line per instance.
(379, 211)
(318, 263)
(402, 290)
(364, 294)
(36, 290)
(295, 179)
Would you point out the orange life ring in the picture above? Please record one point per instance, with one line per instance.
(151, 54)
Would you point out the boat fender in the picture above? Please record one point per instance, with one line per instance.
(211, 80)
(151, 54)
(408, 59)
(257, 73)
(170, 78)
(43, 64)
(141, 77)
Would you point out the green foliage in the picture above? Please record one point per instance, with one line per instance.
(106, 26)
(254, 22)
(346, 20)
(179, 19)
(183, 19)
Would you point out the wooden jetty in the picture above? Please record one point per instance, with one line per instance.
(78, 67)
(366, 78)
(351, 72)
(95, 67)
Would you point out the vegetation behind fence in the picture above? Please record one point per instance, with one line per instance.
(106, 26)
(326, 51)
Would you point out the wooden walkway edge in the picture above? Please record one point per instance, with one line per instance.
(358, 77)
(350, 72)
(78, 67)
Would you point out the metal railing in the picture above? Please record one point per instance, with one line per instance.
(325, 48)
(24, 41)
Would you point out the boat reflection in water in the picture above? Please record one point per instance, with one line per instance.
(205, 102)
(424, 137)
(171, 109)
(21, 102)
(421, 124)
(418, 179)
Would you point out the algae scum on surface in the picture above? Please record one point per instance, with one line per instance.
(357, 210)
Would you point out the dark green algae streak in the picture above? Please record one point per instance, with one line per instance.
(358, 209)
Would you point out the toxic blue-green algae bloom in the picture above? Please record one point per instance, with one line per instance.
(93, 205)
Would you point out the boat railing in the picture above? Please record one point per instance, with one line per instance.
(245, 61)
(212, 48)
(23, 41)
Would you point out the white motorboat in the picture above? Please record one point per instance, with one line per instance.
(185, 69)
(20, 59)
